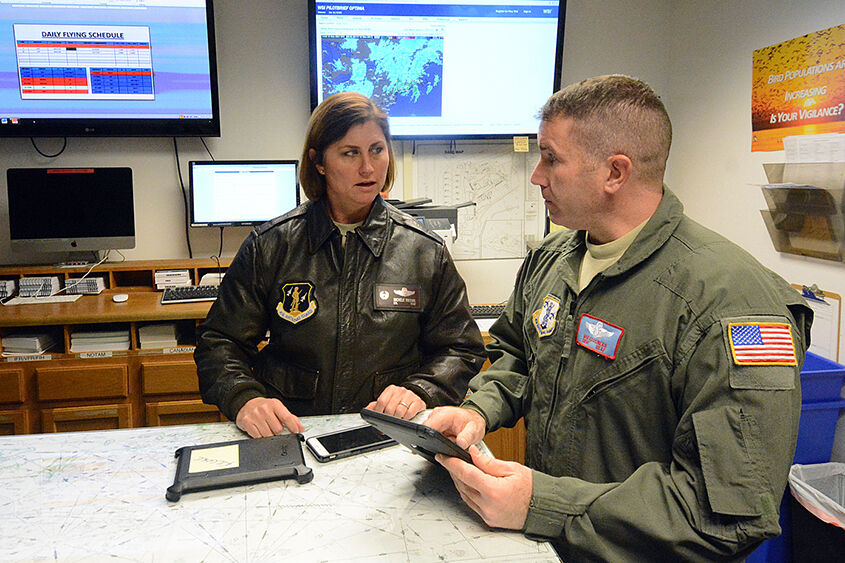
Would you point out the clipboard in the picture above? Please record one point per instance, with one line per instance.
(827, 310)
(238, 462)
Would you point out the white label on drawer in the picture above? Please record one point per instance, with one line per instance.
(96, 355)
(179, 350)
(30, 358)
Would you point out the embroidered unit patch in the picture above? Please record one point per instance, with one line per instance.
(545, 317)
(297, 302)
(599, 336)
(762, 344)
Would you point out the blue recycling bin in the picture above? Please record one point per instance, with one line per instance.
(821, 388)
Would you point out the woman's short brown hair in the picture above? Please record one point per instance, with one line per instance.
(330, 122)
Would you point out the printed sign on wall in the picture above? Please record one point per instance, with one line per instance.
(798, 88)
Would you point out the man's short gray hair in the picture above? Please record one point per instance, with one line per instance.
(616, 114)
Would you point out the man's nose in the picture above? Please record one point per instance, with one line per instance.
(537, 177)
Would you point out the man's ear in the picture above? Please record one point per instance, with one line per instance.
(619, 170)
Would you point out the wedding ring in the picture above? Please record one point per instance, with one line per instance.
(404, 404)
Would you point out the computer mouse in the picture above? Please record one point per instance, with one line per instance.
(119, 297)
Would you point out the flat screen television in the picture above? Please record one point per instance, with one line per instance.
(70, 210)
(227, 193)
(108, 68)
(441, 69)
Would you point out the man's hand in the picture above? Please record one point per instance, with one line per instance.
(465, 426)
(261, 417)
(398, 401)
(499, 491)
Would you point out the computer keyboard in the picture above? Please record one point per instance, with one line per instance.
(46, 299)
(189, 294)
(486, 311)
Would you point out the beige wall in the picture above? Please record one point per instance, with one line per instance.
(696, 54)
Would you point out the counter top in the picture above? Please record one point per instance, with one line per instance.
(100, 495)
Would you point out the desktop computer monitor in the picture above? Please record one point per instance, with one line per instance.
(70, 210)
(227, 193)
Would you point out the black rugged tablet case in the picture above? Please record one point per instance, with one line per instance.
(419, 438)
(259, 460)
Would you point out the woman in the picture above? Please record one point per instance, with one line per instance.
(364, 307)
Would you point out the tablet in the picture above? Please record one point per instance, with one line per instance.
(419, 438)
(238, 462)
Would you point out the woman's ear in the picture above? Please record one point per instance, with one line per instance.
(312, 155)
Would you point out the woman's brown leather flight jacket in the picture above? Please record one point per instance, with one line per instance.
(344, 320)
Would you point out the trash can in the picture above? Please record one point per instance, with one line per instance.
(817, 512)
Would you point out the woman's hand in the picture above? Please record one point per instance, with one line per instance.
(262, 417)
(398, 401)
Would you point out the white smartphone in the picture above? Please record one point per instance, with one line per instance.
(347, 442)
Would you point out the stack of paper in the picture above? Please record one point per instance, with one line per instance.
(160, 335)
(172, 278)
(40, 286)
(7, 288)
(28, 343)
(211, 278)
(99, 340)
(85, 286)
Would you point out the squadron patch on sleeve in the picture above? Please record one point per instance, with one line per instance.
(298, 302)
(545, 318)
(762, 344)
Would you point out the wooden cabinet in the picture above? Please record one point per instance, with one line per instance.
(169, 387)
(12, 388)
(61, 390)
(97, 380)
(14, 422)
(506, 443)
(181, 412)
(94, 417)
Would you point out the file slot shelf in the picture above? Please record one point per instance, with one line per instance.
(65, 390)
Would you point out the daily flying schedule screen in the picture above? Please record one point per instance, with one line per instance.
(84, 62)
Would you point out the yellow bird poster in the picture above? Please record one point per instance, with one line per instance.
(798, 88)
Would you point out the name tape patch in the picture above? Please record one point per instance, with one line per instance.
(398, 297)
(762, 344)
(599, 336)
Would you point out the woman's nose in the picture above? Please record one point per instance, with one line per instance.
(366, 165)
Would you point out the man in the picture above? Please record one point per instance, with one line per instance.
(656, 364)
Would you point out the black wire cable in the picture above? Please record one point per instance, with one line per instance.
(206, 148)
(184, 199)
(39, 151)
(220, 252)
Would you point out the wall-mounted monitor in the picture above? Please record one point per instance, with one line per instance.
(227, 193)
(70, 210)
(108, 68)
(441, 69)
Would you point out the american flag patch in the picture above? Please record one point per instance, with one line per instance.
(762, 344)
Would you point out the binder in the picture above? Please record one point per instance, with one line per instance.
(827, 310)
